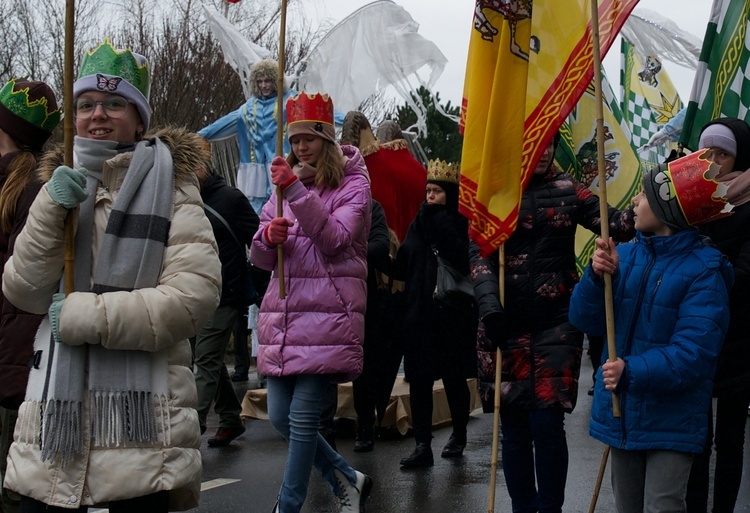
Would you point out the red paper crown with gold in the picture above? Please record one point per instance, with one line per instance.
(442, 171)
(692, 181)
(315, 108)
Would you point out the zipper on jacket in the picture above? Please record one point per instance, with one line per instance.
(631, 330)
(653, 298)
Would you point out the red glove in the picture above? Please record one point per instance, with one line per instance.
(278, 230)
(281, 173)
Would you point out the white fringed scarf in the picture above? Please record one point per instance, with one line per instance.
(126, 391)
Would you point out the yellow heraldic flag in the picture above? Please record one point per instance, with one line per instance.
(524, 74)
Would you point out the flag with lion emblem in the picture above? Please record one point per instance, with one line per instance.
(524, 75)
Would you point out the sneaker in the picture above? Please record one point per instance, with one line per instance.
(365, 440)
(353, 496)
(224, 436)
(420, 458)
(239, 378)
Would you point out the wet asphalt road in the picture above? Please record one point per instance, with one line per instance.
(245, 476)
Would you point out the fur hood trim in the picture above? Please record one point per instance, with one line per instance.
(190, 152)
(394, 145)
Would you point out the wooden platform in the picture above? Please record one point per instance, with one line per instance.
(397, 414)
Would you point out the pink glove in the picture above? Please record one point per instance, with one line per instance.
(278, 230)
(281, 173)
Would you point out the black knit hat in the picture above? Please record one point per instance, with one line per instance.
(661, 198)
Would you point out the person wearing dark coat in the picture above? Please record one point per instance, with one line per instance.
(438, 343)
(25, 126)
(364, 387)
(212, 379)
(729, 138)
(541, 350)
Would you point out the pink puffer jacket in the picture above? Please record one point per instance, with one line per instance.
(319, 327)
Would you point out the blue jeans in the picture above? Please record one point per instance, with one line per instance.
(294, 411)
(535, 451)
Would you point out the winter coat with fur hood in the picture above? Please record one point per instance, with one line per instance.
(319, 327)
(149, 319)
(17, 327)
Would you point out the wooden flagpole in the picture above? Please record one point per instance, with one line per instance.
(603, 214)
(498, 373)
(280, 142)
(69, 227)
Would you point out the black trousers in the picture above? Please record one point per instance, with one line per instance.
(241, 354)
(728, 439)
(364, 387)
(420, 398)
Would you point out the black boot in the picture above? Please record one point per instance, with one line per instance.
(365, 440)
(421, 457)
(455, 446)
(330, 437)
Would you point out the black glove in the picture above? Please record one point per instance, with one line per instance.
(496, 329)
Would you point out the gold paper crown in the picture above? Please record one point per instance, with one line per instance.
(315, 108)
(442, 171)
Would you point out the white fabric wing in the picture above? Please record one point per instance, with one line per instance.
(375, 47)
(239, 52)
(652, 34)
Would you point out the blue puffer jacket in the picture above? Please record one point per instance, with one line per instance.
(671, 315)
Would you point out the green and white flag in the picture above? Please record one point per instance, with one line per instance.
(649, 99)
(722, 80)
(577, 155)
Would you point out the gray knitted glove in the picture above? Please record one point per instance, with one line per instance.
(54, 314)
(67, 187)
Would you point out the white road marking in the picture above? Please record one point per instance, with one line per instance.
(208, 485)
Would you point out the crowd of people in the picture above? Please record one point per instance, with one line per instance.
(118, 376)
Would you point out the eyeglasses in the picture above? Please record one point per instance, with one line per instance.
(114, 107)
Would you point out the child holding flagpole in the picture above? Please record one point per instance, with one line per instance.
(671, 301)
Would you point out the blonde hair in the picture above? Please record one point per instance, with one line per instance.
(330, 165)
(20, 173)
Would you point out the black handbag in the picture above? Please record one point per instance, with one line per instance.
(452, 288)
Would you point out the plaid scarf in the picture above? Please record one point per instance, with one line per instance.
(127, 390)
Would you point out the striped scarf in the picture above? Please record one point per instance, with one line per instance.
(127, 390)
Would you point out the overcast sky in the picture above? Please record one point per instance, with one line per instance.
(449, 26)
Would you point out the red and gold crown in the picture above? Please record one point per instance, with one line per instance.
(700, 196)
(441, 171)
(310, 114)
(315, 108)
